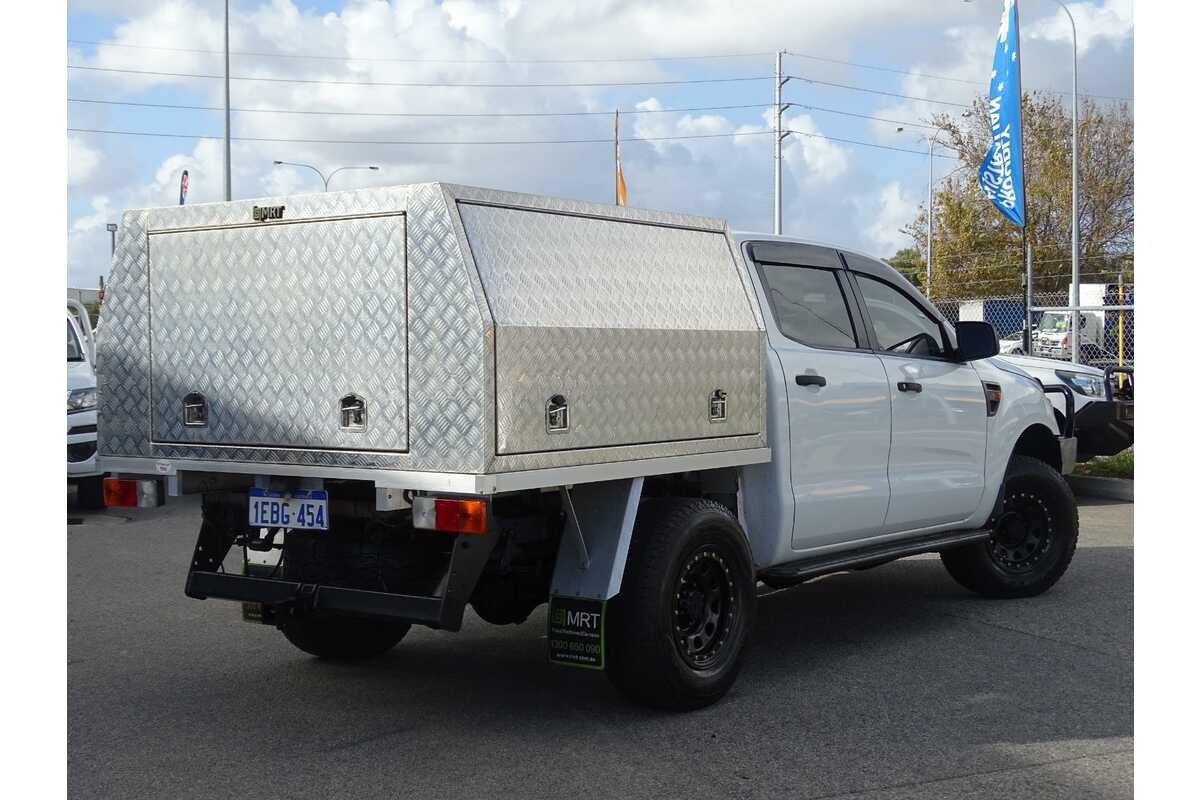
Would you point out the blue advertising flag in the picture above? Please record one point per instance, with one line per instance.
(1002, 174)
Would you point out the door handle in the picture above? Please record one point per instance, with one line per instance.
(909, 386)
(810, 380)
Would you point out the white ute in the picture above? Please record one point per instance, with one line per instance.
(81, 408)
(401, 402)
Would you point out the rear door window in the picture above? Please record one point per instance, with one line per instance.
(809, 305)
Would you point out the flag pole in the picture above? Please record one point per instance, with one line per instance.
(1026, 246)
(617, 157)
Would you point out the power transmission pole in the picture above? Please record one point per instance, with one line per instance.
(780, 135)
(228, 164)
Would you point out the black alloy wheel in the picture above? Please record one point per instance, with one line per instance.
(704, 608)
(1022, 534)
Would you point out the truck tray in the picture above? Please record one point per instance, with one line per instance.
(426, 333)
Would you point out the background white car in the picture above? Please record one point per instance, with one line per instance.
(81, 408)
(1103, 401)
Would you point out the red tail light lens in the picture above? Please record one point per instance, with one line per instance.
(450, 514)
(129, 493)
(120, 493)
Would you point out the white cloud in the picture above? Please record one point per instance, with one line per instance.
(96, 220)
(82, 161)
(824, 161)
(886, 213)
(1111, 21)
(830, 192)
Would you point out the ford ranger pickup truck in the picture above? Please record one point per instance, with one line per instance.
(400, 403)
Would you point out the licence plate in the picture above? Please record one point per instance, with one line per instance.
(302, 510)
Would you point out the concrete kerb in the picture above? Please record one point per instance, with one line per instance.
(1093, 486)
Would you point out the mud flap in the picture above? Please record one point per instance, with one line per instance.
(575, 632)
(590, 565)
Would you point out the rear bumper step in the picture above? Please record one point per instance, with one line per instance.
(310, 596)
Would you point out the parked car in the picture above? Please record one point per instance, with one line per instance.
(82, 469)
(1052, 339)
(1103, 400)
(1013, 345)
(447, 396)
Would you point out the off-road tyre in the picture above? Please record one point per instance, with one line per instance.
(341, 638)
(1033, 540)
(90, 493)
(677, 632)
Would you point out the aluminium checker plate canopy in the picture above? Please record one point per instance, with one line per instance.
(485, 333)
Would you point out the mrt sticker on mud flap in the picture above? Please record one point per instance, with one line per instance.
(575, 631)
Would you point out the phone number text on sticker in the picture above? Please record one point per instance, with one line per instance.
(303, 510)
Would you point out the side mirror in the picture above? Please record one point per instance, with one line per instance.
(976, 340)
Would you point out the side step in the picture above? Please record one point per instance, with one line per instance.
(794, 572)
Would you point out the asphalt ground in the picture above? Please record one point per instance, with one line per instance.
(890, 683)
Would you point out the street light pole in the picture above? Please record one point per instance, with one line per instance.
(929, 226)
(929, 140)
(1074, 184)
(228, 164)
(325, 180)
(112, 232)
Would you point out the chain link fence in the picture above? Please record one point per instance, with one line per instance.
(1106, 335)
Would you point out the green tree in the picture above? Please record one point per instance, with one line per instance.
(910, 263)
(978, 252)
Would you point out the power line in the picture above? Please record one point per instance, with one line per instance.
(918, 74)
(626, 60)
(629, 60)
(1111, 257)
(429, 84)
(418, 114)
(491, 113)
(864, 116)
(854, 88)
(533, 85)
(605, 140)
(1016, 246)
(869, 144)
(1017, 278)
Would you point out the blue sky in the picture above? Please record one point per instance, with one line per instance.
(848, 193)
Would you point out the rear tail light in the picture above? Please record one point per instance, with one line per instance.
(128, 493)
(450, 515)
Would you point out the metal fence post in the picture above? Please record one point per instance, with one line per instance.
(1028, 299)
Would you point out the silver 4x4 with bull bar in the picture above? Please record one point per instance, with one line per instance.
(401, 402)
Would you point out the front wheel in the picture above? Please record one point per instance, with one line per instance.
(680, 625)
(1033, 537)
